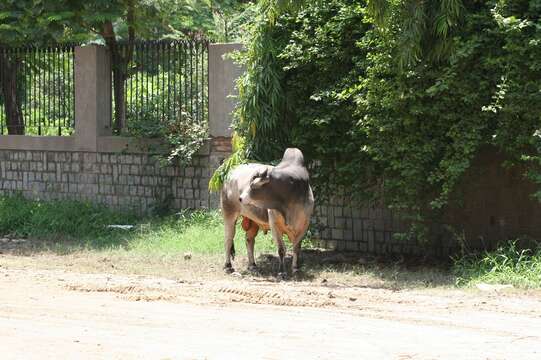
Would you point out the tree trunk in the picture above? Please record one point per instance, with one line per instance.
(120, 64)
(119, 77)
(12, 106)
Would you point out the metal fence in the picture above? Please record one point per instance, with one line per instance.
(165, 82)
(37, 91)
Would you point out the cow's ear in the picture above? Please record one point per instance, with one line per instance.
(260, 179)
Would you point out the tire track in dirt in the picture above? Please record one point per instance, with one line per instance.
(502, 316)
(271, 297)
(412, 307)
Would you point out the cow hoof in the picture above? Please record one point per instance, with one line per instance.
(282, 276)
(253, 269)
(229, 269)
(296, 272)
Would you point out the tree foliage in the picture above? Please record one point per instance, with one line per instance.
(425, 27)
(37, 22)
(221, 21)
(394, 99)
(23, 23)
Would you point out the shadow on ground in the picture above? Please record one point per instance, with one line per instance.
(324, 266)
(395, 272)
(61, 245)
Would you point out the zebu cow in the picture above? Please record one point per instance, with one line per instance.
(277, 198)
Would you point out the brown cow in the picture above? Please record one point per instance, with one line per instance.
(277, 198)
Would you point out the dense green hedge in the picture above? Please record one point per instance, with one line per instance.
(329, 81)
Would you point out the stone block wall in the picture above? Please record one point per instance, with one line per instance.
(368, 228)
(134, 181)
(372, 228)
(137, 181)
(490, 206)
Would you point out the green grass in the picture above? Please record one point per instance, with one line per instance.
(506, 265)
(67, 226)
(200, 232)
(156, 245)
(30, 218)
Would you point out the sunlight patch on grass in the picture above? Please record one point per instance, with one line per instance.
(506, 265)
(199, 232)
(67, 226)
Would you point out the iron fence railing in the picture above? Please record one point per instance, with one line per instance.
(165, 80)
(37, 93)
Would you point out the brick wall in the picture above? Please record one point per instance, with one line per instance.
(372, 228)
(138, 182)
(492, 204)
(496, 203)
(343, 225)
(125, 181)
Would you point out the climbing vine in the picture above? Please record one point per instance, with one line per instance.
(389, 107)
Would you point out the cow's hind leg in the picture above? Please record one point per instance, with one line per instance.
(297, 241)
(251, 233)
(229, 228)
(296, 254)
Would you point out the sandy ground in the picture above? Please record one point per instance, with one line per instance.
(54, 314)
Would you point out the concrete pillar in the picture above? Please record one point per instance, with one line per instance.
(223, 73)
(92, 95)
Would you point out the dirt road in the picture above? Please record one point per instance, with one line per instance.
(62, 315)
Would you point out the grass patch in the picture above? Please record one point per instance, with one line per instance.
(67, 226)
(506, 265)
(30, 218)
(76, 235)
(200, 232)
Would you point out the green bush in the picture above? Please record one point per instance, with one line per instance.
(506, 265)
(180, 135)
(328, 80)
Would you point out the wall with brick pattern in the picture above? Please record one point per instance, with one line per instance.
(138, 182)
(492, 204)
(497, 203)
(124, 181)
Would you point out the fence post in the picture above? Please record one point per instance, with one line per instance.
(92, 95)
(223, 73)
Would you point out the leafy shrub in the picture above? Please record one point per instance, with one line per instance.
(379, 126)
(181, 135)
(506, 265)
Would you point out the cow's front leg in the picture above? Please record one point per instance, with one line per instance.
(277, 235)
(229, 228)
